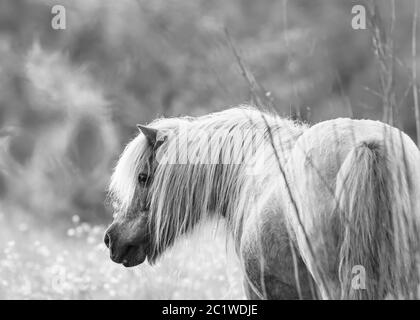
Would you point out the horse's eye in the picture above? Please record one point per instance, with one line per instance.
(143, 178)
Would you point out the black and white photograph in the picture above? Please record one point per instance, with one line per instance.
(209, 150)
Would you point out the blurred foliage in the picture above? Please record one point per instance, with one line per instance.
(70, 99)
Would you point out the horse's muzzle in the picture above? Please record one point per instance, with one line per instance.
(126, 253)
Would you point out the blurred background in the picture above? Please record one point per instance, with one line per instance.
(70, 100)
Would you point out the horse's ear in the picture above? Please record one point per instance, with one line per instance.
(155, 137)
(150, 133)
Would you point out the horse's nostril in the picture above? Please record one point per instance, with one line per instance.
(107, 240)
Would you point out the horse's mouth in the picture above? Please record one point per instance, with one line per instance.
(133, 256)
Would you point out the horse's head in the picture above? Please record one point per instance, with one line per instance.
(128, 237)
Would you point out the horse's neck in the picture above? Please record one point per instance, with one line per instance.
(204, 188)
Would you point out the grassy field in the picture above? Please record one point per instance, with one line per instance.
(35, 264)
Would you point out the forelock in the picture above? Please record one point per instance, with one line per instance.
(131, 162)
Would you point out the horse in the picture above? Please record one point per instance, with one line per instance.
(303, 205)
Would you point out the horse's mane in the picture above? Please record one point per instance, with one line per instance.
(184, 193)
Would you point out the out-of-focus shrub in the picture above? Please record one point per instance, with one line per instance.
(63, 143)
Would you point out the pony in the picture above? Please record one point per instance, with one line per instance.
(303, 205)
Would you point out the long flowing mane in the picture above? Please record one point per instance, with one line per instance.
(233, 159)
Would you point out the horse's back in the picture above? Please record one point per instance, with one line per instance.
(312, 171)
(319, 153)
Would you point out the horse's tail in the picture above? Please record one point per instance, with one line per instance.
(378, 229)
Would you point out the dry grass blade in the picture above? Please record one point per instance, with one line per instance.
(384, 50)
(260, 97)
